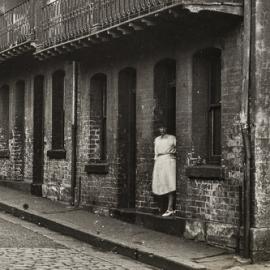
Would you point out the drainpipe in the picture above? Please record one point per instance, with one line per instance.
(245, 125)
(74, 130)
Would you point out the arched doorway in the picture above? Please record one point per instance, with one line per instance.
(165, 105)
(127, 137)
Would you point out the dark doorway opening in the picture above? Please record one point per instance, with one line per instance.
(165, 95)
(38, 147)
(127, 137)
(165, 106)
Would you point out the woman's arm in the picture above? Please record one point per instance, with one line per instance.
(155, 149)
(173, 150)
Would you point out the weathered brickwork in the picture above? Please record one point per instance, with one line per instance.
(57, 172)
(211, 206)
(96, 189)
(212, 200)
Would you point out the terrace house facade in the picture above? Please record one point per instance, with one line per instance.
(85, 84)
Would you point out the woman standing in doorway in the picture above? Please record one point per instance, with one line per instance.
(164, 173)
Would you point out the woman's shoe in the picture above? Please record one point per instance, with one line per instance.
(168, 213)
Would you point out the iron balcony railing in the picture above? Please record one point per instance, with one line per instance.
(64, 20)
(16, 25)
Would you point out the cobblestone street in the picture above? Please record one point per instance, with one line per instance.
(24, 246)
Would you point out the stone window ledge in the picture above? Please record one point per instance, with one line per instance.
(4, 153)
(56, 154)
(97, 167)
(205, 172)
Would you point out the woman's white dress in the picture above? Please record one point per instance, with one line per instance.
(164, 173)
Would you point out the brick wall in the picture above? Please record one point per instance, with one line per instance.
(17, 165)
(214, 202)
(96, 189)
(57, 172)
(211, 202)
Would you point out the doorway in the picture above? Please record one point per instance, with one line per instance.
(165, 106)
(127, 137)
(165, 95)
(38, 146)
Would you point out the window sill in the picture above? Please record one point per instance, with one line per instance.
(4, 153)
(97, 168)
(57, 154)
(205, 172)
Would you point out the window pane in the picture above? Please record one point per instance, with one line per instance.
(215, 80)
(58, 110)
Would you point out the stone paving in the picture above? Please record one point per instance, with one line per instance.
(25, 246)
(51, 258)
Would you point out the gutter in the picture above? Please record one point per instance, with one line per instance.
(245, 126)
(74, 130)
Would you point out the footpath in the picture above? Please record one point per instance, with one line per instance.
(154, 248)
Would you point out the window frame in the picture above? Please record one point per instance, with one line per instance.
(214, 107)
(59, 132)
(99, 83)
(206, 106)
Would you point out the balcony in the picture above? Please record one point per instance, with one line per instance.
(71, 24)
(16, 30)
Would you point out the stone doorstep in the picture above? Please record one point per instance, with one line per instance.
(170, 263)
(260, 244)
(35, 189)
(171, 225)
(17, 185)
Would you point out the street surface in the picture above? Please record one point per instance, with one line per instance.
(25, 246)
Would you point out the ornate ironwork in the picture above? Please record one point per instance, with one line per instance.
(64, 20)
(16, 25)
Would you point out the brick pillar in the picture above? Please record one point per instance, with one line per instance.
(260, 233)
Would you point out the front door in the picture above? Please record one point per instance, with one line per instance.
(127, 137)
